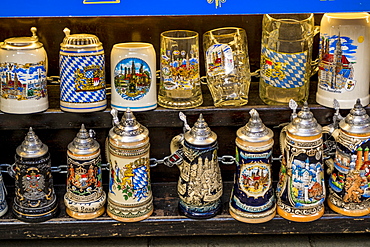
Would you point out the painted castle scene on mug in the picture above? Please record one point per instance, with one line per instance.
(336, 70)
(132, 78)
(180, 69)
(23, 81)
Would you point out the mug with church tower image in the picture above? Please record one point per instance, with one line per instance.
(336, 71)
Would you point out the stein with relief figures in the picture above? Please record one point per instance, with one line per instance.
(82, 75)
(227, 65)
(35, 199)
(286, 57)
(23, 71)
(349, 170)
(200, 183)
(130, 196)
(252, 198)
(85, 197)
(180, 80)
(344, 67)
(301, 189)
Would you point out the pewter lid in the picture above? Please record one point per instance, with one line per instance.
(303, 123)
(357, 121)
(84, 142)
(200, 133)
(128, 130)
(31, 147)
(22, 43)
(255, 130)
(80, 40)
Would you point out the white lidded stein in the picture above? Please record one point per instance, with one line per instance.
(85, 197)
(301, 189)
(200, 183)
(349, 170)
(127, 148)
(252, 198)
(35, 199)
(82, 73)
(23, 71)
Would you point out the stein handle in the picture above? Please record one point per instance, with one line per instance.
(176, 143)
(107, 152)
(282, 142)
(315, 63)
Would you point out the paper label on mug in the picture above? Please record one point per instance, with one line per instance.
(219, 59)
(284, 70)
(132, 78)
(336, 63)
(23, 81)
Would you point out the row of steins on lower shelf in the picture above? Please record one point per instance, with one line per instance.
(287, 43)
(300, 192)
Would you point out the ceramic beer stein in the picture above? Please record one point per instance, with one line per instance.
(344, 64)
(200, 183)
(82, 75)
(85, 197)
(349, 170)
(35, 199)
(130, 197)
(301, 189)
(23, 71)
(252, 198)
(3, 203)
(133, 76)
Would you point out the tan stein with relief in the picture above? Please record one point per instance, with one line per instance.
(130, 196)
(85, 197)
(301, 189)
(349, 170)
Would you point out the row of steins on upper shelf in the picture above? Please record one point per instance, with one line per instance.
(300, 192)
(287, 42)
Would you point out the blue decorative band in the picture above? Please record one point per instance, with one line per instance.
(134, 107)
(82, 51)
(83, 108)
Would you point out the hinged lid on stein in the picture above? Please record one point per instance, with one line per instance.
(22, 43)
(31, 147)
(84, 142)
(303, 124)
(200, 133)
(357, 121)
(128, 131)
(79, 40)
(254, 130)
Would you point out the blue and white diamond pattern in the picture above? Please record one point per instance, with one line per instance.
(293, 67)
(140, 181)
(68, 67)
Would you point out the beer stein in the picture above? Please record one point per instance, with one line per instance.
(23, 71)
(286, 52)
(133, 76)
(301, 189)
(3, 203)
(85, 197)
(130, 197)
(35, 199)
(252, 198)
(349, 170)
(180, 79)
(344, 62)
(200, 183)
(82, 75)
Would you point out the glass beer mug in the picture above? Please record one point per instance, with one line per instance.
(227, 66)
(180, 80)
(286, 57)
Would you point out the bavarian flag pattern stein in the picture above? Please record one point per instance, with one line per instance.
(82, 73)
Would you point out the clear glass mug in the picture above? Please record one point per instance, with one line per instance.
(180, 79)
(227, 65)
(286, 54)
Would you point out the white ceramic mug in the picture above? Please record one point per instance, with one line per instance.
(344, 59)
(133, 80)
